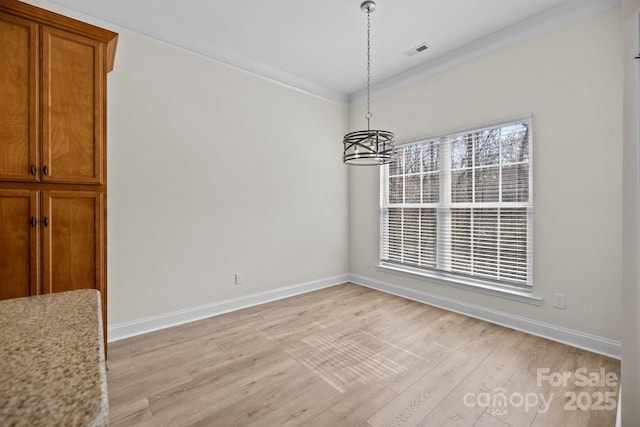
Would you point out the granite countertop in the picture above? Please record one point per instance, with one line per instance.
(52, 368)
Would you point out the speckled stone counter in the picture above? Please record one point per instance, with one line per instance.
(52, 369)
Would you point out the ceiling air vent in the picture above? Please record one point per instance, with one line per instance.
(420, 48)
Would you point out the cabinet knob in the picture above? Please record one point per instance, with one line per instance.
(32, 169)
(33, 221)
(46, 221)
(45, 170)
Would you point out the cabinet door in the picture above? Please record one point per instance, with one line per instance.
(18, 99)
(73, 240)
(19, 257)
(72, 108)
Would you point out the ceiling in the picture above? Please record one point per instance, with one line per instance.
(320, 46)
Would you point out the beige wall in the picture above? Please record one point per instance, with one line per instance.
(630, 292)
(214, 171)
(207, 166)
(570, 80)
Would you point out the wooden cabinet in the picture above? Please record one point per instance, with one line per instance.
(19, 255)
(67, 230)
(72, 108)
(72, 246)
(71, 147)
(53, 182)
(18, 98)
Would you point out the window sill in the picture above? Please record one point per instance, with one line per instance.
(508, 292)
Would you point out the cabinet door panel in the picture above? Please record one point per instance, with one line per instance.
(19, 257)
(73, 240)
(18, 98)
(72, 108)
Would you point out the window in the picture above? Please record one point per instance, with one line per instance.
(461, 206)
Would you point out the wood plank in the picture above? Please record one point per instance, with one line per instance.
(488, 421)
(503, 361)
(410, 407)
(523, 382)
(453, 411)
(355, 410)
(577, 402)
(341, 356)
(129, 413)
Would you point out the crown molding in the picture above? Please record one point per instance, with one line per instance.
(254, 67)
(243, 63)
(565, 14)
(185, 42)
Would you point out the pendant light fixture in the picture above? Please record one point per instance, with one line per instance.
(368, 147)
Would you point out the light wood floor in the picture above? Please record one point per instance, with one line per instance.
(347, 356)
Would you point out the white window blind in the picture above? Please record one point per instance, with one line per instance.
(462, 204)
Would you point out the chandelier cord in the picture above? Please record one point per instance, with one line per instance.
(368, 115)
(368, 147)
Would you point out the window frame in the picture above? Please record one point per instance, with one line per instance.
(517, 291)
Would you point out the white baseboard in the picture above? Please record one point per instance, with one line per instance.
(124, 330)
(555, 333)
(566, 336)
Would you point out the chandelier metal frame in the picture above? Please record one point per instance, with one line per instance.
(368, 147)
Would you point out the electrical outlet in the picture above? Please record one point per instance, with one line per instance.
(560, 301)
(239, 279)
